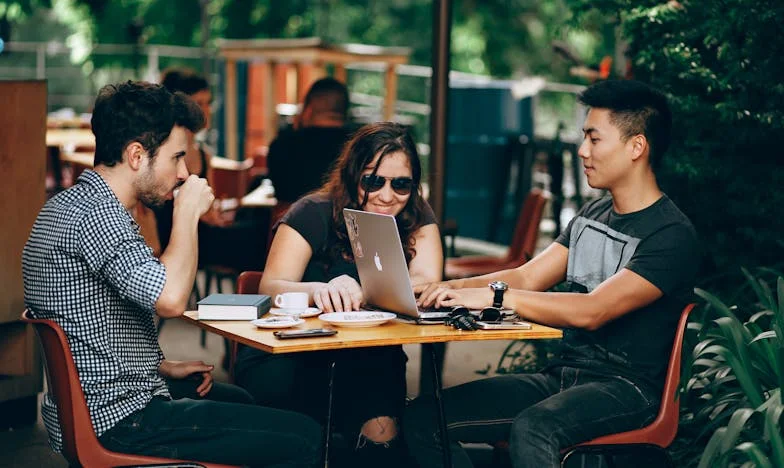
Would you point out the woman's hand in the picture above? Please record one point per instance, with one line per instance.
(183, 369)
(341, 294)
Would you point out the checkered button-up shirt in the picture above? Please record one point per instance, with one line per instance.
(86, 267)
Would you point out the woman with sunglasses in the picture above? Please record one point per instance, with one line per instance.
(378, 171)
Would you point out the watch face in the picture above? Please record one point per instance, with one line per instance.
(499, 286)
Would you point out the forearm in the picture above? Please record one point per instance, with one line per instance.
(574, 310)
(180, 259)
(511, 277)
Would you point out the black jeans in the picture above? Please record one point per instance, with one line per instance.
(539, 414)
(217, 431)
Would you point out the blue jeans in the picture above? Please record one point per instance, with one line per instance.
(539, 414)
(218, 431)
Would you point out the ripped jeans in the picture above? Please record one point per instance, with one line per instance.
(539, 414)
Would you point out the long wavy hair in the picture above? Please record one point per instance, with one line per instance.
(342, 187)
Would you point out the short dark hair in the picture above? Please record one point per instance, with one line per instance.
(635, 109)
(184, 80)
(142, 112)
(328, 95)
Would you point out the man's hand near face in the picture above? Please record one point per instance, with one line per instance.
(195, 197)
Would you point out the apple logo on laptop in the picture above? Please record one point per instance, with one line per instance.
(377, 259)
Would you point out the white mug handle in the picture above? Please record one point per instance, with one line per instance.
(279, 301)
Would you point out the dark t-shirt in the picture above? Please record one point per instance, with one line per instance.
(299, 160)
(311, 217)
(659, 244)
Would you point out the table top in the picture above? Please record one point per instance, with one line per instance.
(69, 136)
(391, 333)
(83, 158)
(261, 197)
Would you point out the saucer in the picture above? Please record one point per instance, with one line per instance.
(357, 319)
(302, 313)
(277, 322)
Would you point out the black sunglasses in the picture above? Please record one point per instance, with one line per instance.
(488, 314)
(374, 183)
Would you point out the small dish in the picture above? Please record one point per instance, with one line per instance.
(277, 322)
(357, 319)
(302, 313)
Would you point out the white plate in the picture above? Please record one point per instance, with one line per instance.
(309, 312)
(357, 319)
(277, 322)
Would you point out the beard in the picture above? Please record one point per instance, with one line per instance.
(149, 191)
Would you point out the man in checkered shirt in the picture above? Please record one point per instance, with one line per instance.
(87, 267)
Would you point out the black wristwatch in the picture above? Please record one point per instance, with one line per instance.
(499, 288)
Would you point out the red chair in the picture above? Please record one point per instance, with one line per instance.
(659, 434)
(80, 445)
(247, 283)
(520, 251)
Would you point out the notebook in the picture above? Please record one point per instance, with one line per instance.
(233, 306)
(383, 272)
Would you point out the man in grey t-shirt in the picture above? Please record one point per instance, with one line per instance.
(628, 261)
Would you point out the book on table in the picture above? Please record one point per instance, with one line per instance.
(233, 306)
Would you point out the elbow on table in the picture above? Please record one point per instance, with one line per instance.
(169, 306)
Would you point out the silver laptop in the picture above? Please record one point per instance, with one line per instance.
(383, 272)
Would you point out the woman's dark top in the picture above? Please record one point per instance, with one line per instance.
(311, 217)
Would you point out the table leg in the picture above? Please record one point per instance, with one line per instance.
(328, 428)
(447, 454)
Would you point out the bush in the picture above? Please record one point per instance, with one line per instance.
(733, 382)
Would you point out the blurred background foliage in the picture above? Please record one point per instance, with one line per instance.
(719, 61)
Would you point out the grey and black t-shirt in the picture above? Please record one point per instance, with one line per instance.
(659, 244)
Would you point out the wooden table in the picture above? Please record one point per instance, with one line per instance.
(260, 197)
(390, 334)
(61, 137)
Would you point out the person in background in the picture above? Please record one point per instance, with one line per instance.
(629, 260)
(86, 267)
(379, 171)
(300, 158)
(197, 157)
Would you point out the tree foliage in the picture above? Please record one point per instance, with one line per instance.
(720, 61)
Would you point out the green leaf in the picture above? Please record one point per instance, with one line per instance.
(712, 450)
(755, 454)
(734, 428)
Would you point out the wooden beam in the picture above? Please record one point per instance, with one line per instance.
(230, 110)
(390, 97)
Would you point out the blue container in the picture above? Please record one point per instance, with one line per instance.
(484, 119)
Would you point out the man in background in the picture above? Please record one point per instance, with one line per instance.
(299, 159)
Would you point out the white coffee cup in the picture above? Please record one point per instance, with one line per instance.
(292, 300)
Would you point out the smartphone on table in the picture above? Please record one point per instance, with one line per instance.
(306, 333)
(504, 325)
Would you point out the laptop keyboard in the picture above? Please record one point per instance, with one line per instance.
(434, 312)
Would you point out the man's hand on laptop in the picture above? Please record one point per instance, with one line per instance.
(442, 295)
(427, 293)
(341, 294)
